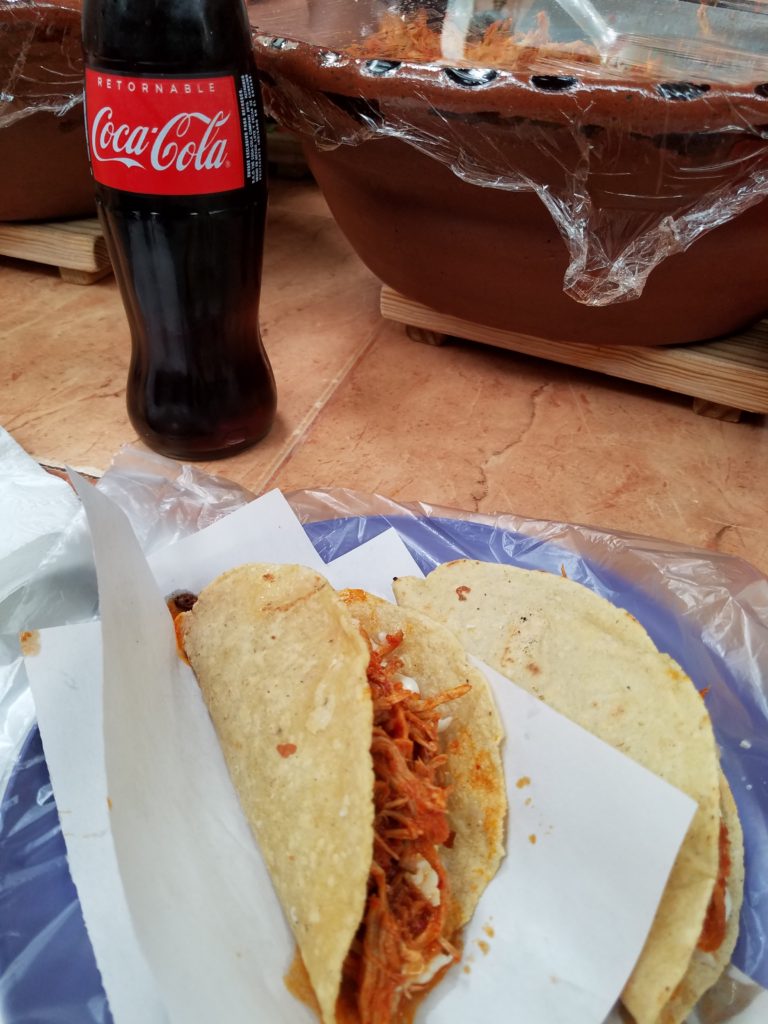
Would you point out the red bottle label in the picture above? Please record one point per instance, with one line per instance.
(165, 136)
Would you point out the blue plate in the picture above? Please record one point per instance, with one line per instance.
(48, 974)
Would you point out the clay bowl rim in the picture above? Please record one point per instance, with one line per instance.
(643, 105)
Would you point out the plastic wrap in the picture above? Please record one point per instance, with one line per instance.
(640, 126)
(40, 58)
(709, 610)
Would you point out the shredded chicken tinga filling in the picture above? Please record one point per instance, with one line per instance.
(399, 37)
(402, 929)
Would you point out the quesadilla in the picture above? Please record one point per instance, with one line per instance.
(595, 664)
(365, 752)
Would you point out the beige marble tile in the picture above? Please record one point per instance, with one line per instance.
(63, 365)
(471, 427)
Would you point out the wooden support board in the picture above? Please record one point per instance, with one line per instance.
(724, 377)
(76, 247)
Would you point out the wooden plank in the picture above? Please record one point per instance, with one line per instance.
(715, 411)
(74, 244)
(737, 349)
(425, 337)
(729, 372)
(83, 276)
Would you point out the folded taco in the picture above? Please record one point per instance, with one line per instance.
(365, 751)
(595, 664)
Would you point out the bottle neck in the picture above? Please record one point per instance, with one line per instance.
(170, 36)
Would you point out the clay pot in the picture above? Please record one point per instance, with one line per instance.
(658, 156)
(43, 155)
(45, 172)
(496, 257)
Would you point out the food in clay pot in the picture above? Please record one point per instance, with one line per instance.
(533, 186)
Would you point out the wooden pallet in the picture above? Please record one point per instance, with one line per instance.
(724, 377)
(76, 247)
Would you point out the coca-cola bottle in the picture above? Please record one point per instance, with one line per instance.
(175, 134)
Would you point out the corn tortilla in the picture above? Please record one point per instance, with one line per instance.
(282, 668)
(595, 664)
(705, 968)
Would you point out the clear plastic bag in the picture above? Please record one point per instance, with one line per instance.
(40, 58)
(640, 126)
(710, 611)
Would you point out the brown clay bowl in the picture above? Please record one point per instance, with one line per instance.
(43, 155)
(656, 151)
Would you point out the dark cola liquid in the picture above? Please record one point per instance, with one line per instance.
(189, 266)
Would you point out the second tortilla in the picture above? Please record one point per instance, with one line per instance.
(595, 664)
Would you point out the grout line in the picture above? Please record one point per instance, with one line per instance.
(303, 428)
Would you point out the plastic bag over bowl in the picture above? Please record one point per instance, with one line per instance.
(628, 143)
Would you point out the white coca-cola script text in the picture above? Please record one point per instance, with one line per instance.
(188, 139)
